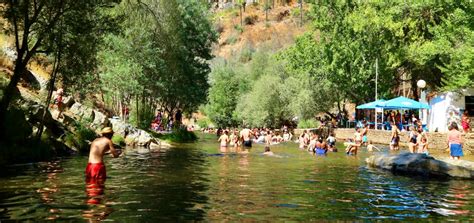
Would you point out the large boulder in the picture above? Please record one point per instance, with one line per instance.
(132, 135)
(83, 113)
(100, 120)
(68, 101)
(421, 164)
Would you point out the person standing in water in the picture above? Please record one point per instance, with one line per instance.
(224, 139)
(395, 137)
(363, 133)
(455, 142)
(95, 168)
(246, 135)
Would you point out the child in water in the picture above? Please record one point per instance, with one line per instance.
(267, 151)
(331, 143)
(371, 147)
(423, 146)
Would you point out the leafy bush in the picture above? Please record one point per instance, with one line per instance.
(309, 123)
(295, 12)
(178, 135)
(82, 137)
(118, 140)
(246, 54)
(250, 20)
(204, 122)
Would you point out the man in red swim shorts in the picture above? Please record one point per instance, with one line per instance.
(95, 168)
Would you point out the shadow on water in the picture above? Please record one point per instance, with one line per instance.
(168, 185)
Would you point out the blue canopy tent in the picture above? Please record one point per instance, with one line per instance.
(372, 105)
(402, 103)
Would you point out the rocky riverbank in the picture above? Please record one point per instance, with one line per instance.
(69, 134)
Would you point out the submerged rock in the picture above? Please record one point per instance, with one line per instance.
(421, 164)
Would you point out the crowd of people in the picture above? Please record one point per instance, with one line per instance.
(165, 123)
(417, 140)
(246, 136)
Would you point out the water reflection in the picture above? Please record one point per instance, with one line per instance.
(200, 182)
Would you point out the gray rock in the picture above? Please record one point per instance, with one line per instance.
(421, 164)
(100, 120)
(84, 113)
(68, 101)
(133, 136)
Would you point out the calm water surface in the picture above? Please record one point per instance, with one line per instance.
(198, 182)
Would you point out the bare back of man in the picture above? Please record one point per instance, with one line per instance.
(99, 148)
(95, 168)
(245, 134)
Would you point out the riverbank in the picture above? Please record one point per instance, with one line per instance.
(437, 140)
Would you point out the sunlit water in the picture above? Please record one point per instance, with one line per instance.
(198, 182)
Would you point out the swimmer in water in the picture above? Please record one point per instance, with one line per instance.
(268, 152)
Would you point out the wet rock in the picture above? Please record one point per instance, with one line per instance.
(421, 164)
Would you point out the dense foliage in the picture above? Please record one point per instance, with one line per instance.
(335, 61)
(159, 59)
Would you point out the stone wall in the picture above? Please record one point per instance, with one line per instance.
(437, 140)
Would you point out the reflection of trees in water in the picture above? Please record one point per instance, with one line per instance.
(51, 187)
(174, 185)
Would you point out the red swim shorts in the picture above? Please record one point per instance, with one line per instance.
(96, 170)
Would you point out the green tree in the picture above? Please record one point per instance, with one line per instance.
(35, 26)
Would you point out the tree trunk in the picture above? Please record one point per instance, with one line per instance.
(138, 111)
(301, 12)
(56, 65)
(241, 20)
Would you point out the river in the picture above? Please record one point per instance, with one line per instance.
(197, 182)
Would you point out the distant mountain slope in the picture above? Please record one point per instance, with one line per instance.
(281, 29)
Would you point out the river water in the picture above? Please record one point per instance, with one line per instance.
(198, 182)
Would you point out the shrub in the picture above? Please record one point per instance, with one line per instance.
(219, 28)
(282, 15)
(83, 136)
(118, 140)
(246, 53)
(239, 28)
(295, 12)
(178, 135)
(250, 20)
(231, 40)
(204, 122)
(309, 123)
